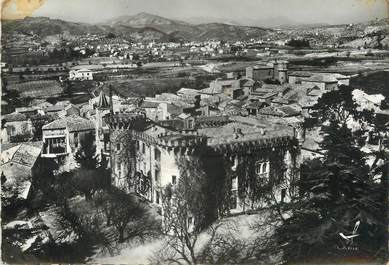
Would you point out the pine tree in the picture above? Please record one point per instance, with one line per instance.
(337, 192)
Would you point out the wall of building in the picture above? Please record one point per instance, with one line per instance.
(293, 79)
(275, 167)
(169, 167)
(260, 73)
(15, 128)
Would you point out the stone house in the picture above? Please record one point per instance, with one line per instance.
(63, 136)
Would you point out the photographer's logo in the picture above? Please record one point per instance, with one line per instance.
(347, 240)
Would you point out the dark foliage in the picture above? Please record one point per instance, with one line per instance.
(336, 193)
(298, 43)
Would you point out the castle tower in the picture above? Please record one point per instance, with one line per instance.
(102, 130)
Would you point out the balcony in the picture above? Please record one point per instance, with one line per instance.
(54, 146)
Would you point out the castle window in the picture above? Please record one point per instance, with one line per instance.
(156, 175)
(234, 199)
(234, 183)
(157, 197)
(143, 148)
(283, 195)
(234, 193)
(262, 169)
(174, 180)
(118, 147)
(157, 154)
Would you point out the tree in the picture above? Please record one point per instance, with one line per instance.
(91, 175)
(340, 105)
(86, 155)
(125, 210)
(336, 192)
(38, 121)
(187, 210)
(111, 35)
(298, 43)
(88, 181)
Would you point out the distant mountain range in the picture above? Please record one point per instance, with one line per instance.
(141, 26)
(145, 26)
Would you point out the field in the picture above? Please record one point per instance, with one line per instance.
(372, 83)
(38, 89)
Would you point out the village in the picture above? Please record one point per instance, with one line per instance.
(109, 145)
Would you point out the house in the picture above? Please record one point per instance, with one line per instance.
(280, 111)
(63, 136)
(254, 107)
(20, 164)
(249, 85)
(56, 109)
(187, 93)
(81, 74)
(62, 109)
(325, 81)
(272, 71)
(29, 111)
(72, 110)
(228, 87)
(168, 111)
(151, 109)
(18, 127)
(260, 72)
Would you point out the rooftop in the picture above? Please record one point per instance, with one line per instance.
(55, 108)
(72, 123)
(242, 132)
(15, 117)
(24, 154)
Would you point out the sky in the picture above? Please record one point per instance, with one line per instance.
(240, 11)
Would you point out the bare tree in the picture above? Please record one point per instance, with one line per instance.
(124, 210)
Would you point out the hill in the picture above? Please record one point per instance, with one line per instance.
(145, 26)
(44, 26)
(371, 34)
(141, 26)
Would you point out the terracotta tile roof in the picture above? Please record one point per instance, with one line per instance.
(72, 123)
(257, 105)
(15, 117)
(24, 154)
(283, 111)
(55, 108)
(149, 105)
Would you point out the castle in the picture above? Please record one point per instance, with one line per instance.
(145, 156)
